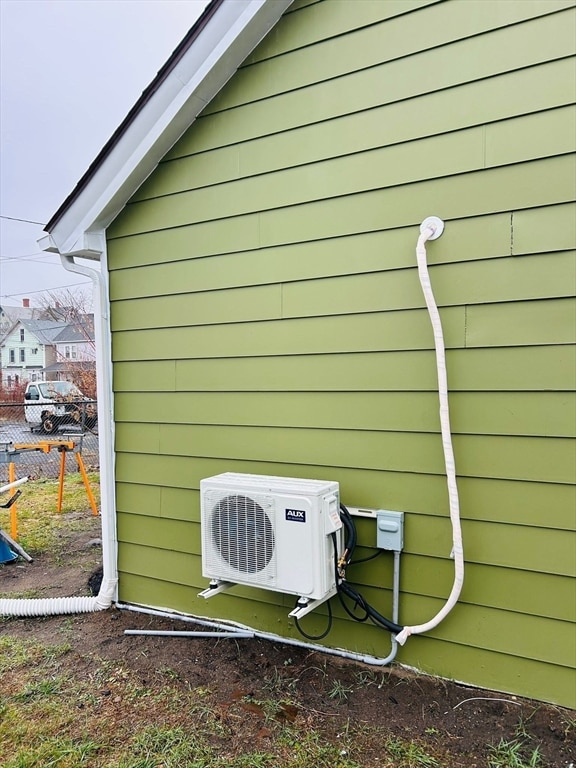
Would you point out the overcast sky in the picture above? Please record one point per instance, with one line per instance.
(69, 72)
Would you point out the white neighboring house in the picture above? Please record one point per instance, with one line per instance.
(11, 314)
(33, 350)
(75, 347)
(27, 349)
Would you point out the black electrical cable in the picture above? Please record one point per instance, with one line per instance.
(346, 589)
(373, 614)
(352, 537)
(338, 570)
(316, 637)
(351, 612)
(366, 559)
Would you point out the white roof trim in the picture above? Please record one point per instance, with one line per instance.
(232, 32)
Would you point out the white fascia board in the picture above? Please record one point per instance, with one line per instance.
(228, 38)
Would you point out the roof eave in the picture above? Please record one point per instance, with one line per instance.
(206, 59)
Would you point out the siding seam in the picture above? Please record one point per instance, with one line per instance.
(511, 233)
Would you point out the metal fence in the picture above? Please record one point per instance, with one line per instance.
(41, 448)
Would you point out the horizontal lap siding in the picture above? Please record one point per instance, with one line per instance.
(267, 317)
(530, 503)
(543, 459)
(506, 369)
(487, 281)
(481, 413)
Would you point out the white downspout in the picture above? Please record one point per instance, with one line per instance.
(52, 606)
(430, 229)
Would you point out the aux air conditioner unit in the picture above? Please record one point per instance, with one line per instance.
(270, 532)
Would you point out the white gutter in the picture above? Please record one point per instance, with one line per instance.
(108, 591)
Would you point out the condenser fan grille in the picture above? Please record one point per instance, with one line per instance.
(242, 533)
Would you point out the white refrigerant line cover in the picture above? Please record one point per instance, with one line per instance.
(432, 228)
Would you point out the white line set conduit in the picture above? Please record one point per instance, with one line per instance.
(244, 631)
(430, 229)
(232, 629)
(55, 606)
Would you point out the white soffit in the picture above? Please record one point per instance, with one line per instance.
(232, 32)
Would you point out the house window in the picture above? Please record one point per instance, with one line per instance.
(22, 355)
(70, 352)
(12, 355)
(21, 334)
(35, 351)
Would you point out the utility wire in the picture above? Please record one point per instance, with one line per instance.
(5, 259)
(24, 221)
(29, 259)
(45, 290)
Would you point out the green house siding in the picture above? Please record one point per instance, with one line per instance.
(267, 317)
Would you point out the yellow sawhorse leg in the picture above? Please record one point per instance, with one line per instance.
(82, 469)
(61, 479)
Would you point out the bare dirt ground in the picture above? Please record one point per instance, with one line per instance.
(453, 723)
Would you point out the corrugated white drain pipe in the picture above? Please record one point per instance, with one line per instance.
(54, 606)
(430, 229)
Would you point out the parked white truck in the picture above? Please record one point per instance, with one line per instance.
(51, 404)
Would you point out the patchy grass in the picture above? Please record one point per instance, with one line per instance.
(515, 753)
(339, 691)
(59, 709)
(50, 717)
(40, 525)
(16, 654)
(409, 754)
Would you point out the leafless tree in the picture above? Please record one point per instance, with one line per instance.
(74, 308)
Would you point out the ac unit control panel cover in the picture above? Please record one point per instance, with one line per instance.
(271, 532)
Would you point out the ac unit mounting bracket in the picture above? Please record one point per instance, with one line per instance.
(305, 606)
(215, 588)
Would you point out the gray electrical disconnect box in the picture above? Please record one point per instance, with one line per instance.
(390, 530)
